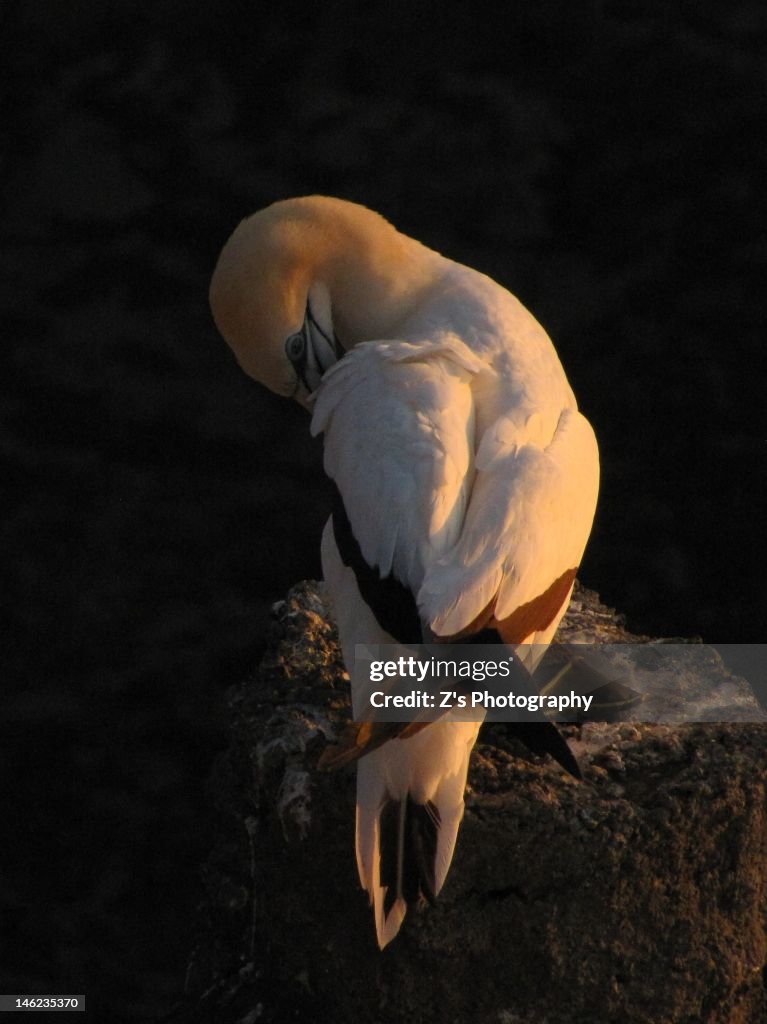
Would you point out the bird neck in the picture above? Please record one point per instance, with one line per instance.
(375, 276)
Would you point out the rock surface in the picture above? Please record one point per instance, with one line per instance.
(638, 895)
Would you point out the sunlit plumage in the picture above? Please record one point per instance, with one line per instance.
(466, 478)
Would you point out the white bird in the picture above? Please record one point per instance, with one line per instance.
(466, 483)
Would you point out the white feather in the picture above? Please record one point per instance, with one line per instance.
(398, 424)
(527, 522)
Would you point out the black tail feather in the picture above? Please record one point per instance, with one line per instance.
(408, 859)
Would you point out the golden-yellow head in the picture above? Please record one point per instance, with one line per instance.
(268, 299)
(303, 273)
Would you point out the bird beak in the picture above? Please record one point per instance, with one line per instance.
(322, 350)
(323, 344)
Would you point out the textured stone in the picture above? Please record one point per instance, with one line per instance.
(636, 896)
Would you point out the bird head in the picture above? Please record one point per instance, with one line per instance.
(300, 270)
(271, 304)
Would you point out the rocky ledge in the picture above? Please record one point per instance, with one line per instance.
(638, 895)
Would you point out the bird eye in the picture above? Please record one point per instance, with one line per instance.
(294, 347)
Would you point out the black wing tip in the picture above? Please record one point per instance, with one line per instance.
(390, 601)
(545, 738)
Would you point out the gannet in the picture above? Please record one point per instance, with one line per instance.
(465, 483)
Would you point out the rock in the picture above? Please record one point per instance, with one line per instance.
(637, 896)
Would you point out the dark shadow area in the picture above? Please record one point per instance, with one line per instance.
(605, 162)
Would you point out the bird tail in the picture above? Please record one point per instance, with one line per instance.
(405, 842)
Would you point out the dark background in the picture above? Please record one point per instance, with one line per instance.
(604, 160)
